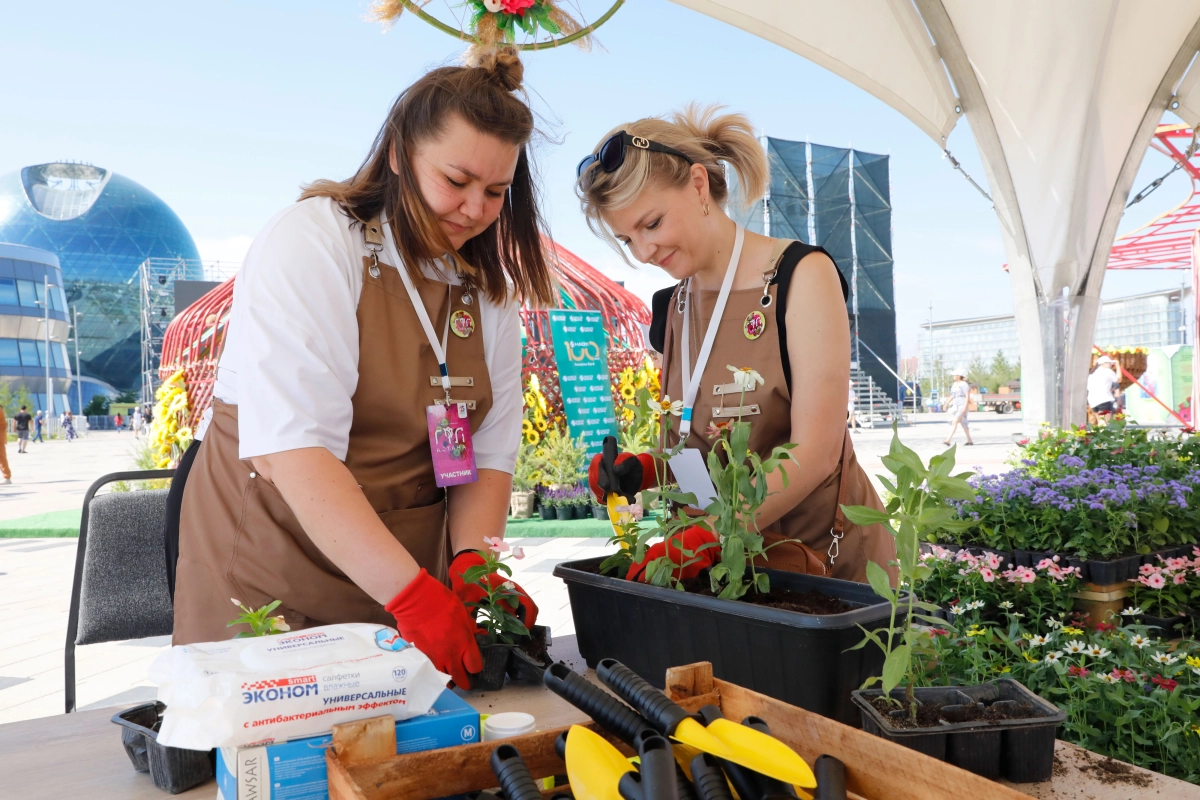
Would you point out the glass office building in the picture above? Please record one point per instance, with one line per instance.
(24, 356)
(1154, 319)
(102, 226)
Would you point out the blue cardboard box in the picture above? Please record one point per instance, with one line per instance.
(295, 770)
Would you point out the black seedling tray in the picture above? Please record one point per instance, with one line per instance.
(802, 659)
(1021, 750)
(173, 769)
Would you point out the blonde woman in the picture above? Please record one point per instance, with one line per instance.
(658, 188)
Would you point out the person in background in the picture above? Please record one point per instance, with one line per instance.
(119, 422)
(851, 419)
(1102, 388)
(960, 398)
(37, 427)
(136, 423)
(68, 423)
(4, 470)
(22, 419)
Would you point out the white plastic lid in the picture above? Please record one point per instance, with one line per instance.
(506, 724)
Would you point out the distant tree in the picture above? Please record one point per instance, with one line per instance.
(97, 406)
(129, 396)
(12, 401)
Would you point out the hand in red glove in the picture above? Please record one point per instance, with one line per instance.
(691, 539)
(468, 593)
(432, 618)
(620, 473)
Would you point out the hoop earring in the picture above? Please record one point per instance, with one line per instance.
(705, 206)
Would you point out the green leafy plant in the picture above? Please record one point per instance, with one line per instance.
(919, 506)
(97, 406)
(494, 611)
(261, 622)
(564, 460)
(527, 473)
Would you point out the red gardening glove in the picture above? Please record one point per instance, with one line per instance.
(432, 618)
(692, 539)
(468, 593)
(624, 473)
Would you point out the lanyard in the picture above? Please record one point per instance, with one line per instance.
(691, 382)
(439, 347)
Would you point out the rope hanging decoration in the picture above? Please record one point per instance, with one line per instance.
(497, 23)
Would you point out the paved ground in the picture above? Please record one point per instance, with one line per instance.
(35, 574)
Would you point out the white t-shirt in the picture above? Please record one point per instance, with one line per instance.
(1100, 386)
(959, 392)
(290, 362)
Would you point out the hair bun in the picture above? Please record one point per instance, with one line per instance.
(503, 66)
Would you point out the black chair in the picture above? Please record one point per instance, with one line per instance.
(119, 591)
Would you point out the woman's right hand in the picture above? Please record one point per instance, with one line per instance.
(431, 617)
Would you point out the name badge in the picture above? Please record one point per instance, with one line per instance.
(450, 444)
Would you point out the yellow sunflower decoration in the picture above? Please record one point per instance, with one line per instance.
(538, 414)
(638, 424)
(170, 435)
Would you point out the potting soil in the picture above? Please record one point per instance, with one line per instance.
(809, 602)
(929, 715)
(1112, 772)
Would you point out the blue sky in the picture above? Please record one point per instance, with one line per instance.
(225, 108)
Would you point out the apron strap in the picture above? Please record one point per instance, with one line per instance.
(839, 517)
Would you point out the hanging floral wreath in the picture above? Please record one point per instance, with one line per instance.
(493, 23)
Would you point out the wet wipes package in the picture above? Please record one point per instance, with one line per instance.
(272, 688)
(295, 770)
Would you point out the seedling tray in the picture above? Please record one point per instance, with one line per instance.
(173, 769)
(1021, 750)
(363, 765)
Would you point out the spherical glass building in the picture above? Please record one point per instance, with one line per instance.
(102, 226)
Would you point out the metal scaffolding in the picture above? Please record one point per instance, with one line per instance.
(158, 276)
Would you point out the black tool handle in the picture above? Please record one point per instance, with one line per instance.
(513, 775)
(769, 786)
(831, 778)
(616, 717)
(708, 778)
(658, 768)
(560, 745)
(663, 713)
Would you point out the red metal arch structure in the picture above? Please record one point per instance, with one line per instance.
(194, 340)
(1172, 239)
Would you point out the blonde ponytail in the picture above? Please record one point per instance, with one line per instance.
(707, 136)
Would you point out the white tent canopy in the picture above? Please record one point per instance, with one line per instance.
(1062, 98)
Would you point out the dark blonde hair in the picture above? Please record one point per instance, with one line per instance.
(704, 134)
(508, 256)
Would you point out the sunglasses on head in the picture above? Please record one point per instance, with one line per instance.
(611, 154)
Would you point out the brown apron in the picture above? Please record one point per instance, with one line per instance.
(816, 521)
(238, 537)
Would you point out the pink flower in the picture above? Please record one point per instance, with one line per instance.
(518, 552)
(1155, 581)
(1147, 569)
(517, 7)
(1027, 575)
(1180, 578)
(1166, 683)
(993, 561)
(939, 632)
(496, 544)
(1045, 563)
(1081, 672)
(987, 575)
(1178, 563)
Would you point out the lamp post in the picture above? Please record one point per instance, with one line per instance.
(75, 315)
(47, 286)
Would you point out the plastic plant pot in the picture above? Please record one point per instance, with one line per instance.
(495, 665)
(599, 512)
(583, 511)
(1020, 750)
(802, 659)
(524, 667)
(1021, 558)
(565, 513)
(1168, 627)
(172, 769)
(1117, 570)
(549, 512)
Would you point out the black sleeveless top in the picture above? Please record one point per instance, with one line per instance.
(660, 305)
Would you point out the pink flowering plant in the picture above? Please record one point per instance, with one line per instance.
(495, 609)
(511, 15)
(1169, 588)
(1034, 593)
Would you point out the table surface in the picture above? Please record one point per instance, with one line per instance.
(80, 755)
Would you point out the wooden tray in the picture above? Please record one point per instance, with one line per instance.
(363, 765)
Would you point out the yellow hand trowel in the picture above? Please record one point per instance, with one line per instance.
(594, 767)
(723, 738)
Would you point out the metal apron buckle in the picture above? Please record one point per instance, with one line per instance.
(834, 551)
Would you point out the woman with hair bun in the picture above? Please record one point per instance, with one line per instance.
(367, 408)
(658, 187)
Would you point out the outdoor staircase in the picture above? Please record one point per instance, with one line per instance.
(872, 406)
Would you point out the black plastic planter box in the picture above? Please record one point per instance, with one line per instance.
(1167, 625)
(1020, 750)
(802, 659)
(173, 769)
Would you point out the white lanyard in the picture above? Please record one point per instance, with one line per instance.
(691, 382)
(439, 347)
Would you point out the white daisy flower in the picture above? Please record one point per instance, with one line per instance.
(1017, 614)
(1053, 657)
(1130, 612)
(1196, 670)
(1108, 678)
(1038, 641)
(1006, 604)
(974, 604)
(1075, 646)
(666, 406)
(1140, 641)
(1054, 623)
(746, 378)
(1096, 651)
(1163, 658)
